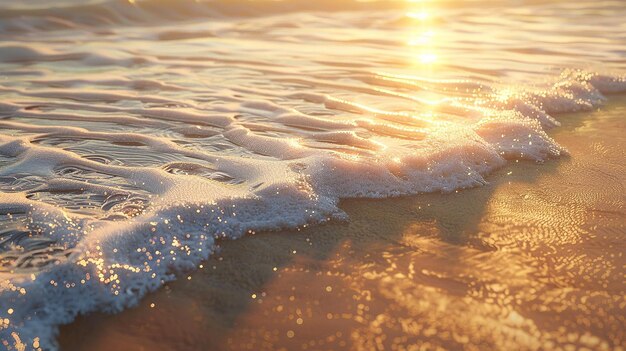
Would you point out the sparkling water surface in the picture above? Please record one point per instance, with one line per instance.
(133, 134)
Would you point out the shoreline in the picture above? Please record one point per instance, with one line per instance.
(531, 260)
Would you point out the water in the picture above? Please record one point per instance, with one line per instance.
(135, 134)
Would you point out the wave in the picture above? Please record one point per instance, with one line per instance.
(134, 137)
(153, 222)
(78, 15)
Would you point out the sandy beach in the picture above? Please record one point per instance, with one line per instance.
(532, 261)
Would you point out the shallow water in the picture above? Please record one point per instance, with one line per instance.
(134, 134)
(531, 261)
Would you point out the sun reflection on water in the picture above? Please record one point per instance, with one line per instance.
(422, 41)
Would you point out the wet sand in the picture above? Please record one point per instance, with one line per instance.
(534, 260)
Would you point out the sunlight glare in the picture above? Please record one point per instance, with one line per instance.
(421, 15)
(428, 58)
(422, 39)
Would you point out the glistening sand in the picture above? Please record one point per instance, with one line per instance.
(532, 261)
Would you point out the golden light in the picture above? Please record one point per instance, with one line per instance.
(422, 39)
(422, 34)
(295, 143)
(421, 15)
(428, 58)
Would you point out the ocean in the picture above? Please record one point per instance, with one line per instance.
(134, 135)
